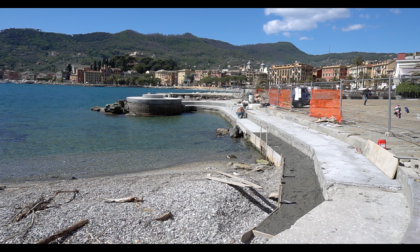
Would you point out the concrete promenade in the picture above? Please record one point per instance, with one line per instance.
(362, 204)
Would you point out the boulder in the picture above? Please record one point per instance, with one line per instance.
(236, 132)
(117, 108)
(96, 108)
(222, 132)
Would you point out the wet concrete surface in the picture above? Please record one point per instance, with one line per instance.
(300, 187)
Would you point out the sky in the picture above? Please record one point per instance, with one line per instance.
(312, 30)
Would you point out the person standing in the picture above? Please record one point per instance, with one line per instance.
(366, 94)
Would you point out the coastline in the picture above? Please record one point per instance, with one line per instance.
(214, 89)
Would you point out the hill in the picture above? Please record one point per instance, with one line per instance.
(30, 49)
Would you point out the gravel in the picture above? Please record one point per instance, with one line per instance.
(203, 211)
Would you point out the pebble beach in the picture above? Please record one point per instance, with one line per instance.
(202, 211)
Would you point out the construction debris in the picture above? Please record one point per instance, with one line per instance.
(332, 119)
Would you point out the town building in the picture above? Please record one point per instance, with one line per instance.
(406, 66)
(183, 76)
(92, 77)
(73, 77)
(116, 71)
(390, 68)
(130, 73)
(317, 74)
(167, 78)
(80, 73)
(334, 73)
(1, 74)
(28, 75)
(11, 75)
(294, 72)
(63, 75)
(42, 77)
(106, 71)
(137, 54)
(74, 67)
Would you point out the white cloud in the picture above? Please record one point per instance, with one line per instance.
(364, 16)
(287, 34)
(334, 27)
(353, 27)
(395, 11)
(300, 19)
(305, 38)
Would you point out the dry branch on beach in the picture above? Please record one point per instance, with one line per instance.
(40, 204)
(64, 232)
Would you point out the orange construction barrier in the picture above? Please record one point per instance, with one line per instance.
(325, 103)
(272, 97)
(285, 98)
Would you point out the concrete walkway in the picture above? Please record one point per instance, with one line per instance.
(362, 204)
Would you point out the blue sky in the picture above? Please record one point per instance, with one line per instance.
(312, 30)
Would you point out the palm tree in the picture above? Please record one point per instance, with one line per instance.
(357, 61)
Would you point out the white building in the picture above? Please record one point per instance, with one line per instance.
(405, 67)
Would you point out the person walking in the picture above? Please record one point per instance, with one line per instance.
(366, 94)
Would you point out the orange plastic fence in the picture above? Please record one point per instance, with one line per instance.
(285, 98)
(272, 97)
(325, 103)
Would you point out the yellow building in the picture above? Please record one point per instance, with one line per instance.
(291, 73)
(182, 74)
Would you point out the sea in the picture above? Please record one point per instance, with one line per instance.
(49, 132)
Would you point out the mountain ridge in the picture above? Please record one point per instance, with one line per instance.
(31, 49)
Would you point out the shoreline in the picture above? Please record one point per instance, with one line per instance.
(132, 86)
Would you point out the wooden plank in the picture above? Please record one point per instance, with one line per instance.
(241, 180)
(227, 181)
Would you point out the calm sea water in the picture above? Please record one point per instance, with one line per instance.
(49, 131)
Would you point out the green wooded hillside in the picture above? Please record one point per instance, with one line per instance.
(21, 49)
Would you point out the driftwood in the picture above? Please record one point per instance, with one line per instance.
(122, 200)
(30, 225)
(257, 169)
(164, 217)
(241, 180)
(227, 181)
(64, 232)
(40, 204)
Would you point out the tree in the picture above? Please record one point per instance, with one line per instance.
(357, 61)
(94, 66)
(68, 68)
(99, 65)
